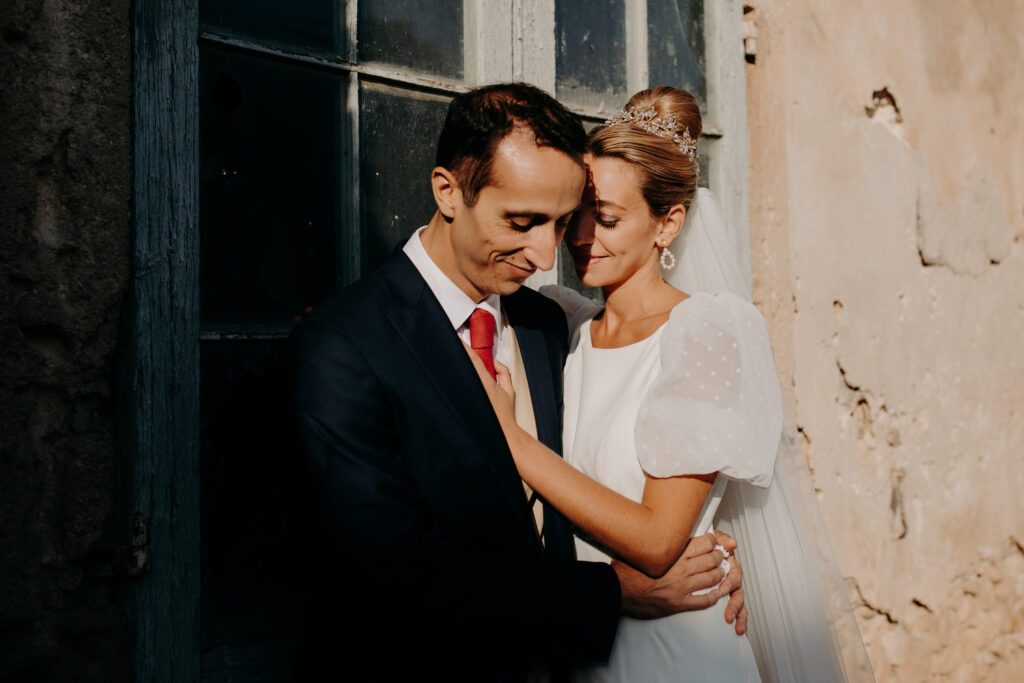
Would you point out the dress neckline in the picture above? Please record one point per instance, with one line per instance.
(652, 335)
(638, 343)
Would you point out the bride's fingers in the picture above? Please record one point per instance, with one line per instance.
(478, 364)
(504, 378)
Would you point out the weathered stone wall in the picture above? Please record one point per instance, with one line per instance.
(65, 91)
(888, 255)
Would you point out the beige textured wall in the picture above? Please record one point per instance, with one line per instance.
(888, 256)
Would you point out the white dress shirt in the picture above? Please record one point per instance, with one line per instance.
(457, 305)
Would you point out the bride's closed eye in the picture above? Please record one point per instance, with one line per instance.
(605, 221)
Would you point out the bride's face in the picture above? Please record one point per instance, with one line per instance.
(613, 236)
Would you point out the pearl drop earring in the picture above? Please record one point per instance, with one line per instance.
(667, 258)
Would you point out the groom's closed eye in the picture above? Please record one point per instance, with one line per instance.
(525, 222)
(521, 223)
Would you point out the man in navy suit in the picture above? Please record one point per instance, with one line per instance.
(437, 565)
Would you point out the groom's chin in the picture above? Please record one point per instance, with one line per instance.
(505, 287)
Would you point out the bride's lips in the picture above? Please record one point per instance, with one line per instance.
(585, 259)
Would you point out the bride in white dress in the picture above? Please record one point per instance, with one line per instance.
(673, 421)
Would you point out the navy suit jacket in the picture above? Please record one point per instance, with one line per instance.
(430, 563)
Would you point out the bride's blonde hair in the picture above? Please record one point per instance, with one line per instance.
(668, 176)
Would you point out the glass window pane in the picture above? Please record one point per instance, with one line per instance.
(316, 26)
(676, 45)
(414, 34)
(590, 53)
(270, 191)
(398, 132)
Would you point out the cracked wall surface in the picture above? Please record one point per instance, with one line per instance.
(887, 222)
(65, 91)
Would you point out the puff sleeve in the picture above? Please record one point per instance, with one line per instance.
(577, 307)
(716, 404)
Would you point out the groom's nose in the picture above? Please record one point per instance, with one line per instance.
(542, 244)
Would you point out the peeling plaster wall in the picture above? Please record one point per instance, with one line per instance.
(888, 256)
(65, 91)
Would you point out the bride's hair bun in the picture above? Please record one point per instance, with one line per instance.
(668, 174)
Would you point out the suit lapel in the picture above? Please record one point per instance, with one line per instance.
(426, 331)
(545, 395)
(536, 361)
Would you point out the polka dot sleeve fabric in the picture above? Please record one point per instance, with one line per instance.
(716, 405)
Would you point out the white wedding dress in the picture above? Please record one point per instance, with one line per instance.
(697, 396)
(702, 395)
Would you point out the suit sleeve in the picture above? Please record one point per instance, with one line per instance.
(386, 554)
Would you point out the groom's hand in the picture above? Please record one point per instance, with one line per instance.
(735, 611)
(697, 569)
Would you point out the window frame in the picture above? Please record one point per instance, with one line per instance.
(157, 368)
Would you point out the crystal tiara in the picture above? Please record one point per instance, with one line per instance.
(662, 126)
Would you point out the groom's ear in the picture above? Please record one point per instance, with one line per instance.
(446, 191)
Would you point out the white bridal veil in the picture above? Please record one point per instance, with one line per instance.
(801, 624)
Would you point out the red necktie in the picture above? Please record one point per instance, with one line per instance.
(481, 337)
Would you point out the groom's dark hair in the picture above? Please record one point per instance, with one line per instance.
(480, 119)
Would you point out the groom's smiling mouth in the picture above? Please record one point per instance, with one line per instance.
(520, 271)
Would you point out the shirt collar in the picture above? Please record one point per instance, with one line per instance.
(457, 305)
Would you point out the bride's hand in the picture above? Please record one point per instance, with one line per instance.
(504, 382)
(500, 393)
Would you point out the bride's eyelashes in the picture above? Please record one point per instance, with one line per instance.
(606, 221)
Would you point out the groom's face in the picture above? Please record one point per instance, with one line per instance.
(519, 217)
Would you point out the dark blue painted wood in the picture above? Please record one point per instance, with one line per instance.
(159, 369)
